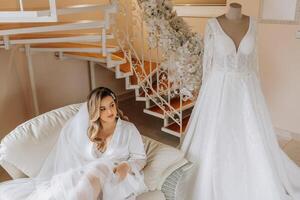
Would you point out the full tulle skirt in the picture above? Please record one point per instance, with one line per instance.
(93, 181)
(231, 141)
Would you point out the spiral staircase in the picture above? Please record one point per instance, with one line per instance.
(94, 41)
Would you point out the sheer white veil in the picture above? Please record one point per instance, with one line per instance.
(73, 148)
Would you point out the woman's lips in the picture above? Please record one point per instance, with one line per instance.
(110, 116)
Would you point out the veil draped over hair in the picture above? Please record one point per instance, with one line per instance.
(73, 148)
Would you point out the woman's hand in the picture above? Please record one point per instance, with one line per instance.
(122, 170)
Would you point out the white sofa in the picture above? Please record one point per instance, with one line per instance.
(23, 151)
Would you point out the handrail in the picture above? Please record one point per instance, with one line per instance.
(29, 16)
(155, 96)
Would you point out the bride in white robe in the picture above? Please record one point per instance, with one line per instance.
(230, 137)
(98, 156)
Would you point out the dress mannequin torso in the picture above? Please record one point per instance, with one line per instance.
(234, 23)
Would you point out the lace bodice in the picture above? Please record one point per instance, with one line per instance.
(220, 52)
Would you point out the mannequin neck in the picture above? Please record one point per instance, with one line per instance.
(234, 12)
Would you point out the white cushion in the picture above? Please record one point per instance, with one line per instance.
(12, 170)
(155, 195)
(162, 160)
(27, 146)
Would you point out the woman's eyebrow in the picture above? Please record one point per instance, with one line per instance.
(109, 104)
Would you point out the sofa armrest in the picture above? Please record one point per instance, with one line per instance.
(27, 146)
(162, 160)
(171, 184)
(14, 172)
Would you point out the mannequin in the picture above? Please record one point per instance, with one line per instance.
(234, 23)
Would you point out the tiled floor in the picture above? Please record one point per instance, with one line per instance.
(150, 126)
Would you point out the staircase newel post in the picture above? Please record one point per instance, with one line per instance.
(180, 111)
(106, 26)
(103, 42)
(53, 12)
(32, 80)
(6, 42)
(92, 75)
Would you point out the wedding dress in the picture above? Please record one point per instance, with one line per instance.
(230, 137)
(74, 162)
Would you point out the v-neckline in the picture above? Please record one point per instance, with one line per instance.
(112, 136)
(236, 48)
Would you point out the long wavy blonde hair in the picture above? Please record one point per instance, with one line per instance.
(95, 125)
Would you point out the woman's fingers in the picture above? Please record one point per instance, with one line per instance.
(121, 171)
(121, 174)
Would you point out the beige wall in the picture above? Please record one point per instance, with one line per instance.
(280, 69)
(59, 82)
(63, 82)
(13, 108)
(279, 52)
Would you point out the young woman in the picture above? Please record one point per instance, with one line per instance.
(99, 155)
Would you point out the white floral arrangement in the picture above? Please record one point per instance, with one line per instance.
(182, 48)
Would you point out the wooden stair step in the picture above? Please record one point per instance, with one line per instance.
(120, 54)
(8, 26)
(175, 103)
(27, 28)
(116, 57)
(174, 128)
(124, 68)
(95, 55)
(163, 85)
(74, 47)
(69, 45)
(48, 35)
(149, 68)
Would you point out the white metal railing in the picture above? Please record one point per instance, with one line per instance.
(80, 25)
(50, 15)
(102, 25)
(13, 36)
(29, 16)
(75, 49)
(158, 87)
(79, 38)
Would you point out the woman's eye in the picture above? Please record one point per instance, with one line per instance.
(102, 109)
(112, 105)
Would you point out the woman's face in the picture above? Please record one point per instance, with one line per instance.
(108, 109)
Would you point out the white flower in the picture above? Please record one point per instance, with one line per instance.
(182, 47)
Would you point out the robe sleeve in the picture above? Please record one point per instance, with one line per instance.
(208, 52)
(137, 155)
